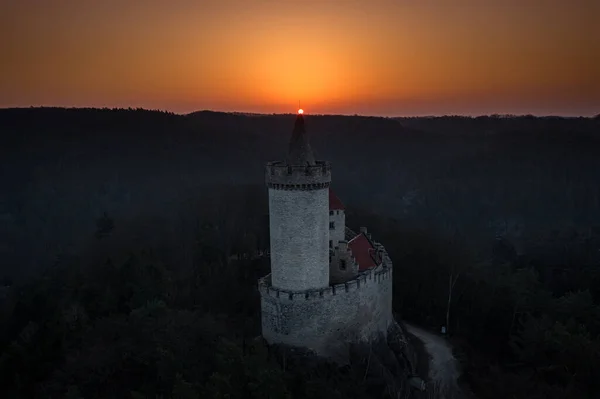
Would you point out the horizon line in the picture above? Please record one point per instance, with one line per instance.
(496, 115)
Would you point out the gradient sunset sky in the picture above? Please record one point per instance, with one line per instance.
(376, 57)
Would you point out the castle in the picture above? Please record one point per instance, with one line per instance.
(328, 285)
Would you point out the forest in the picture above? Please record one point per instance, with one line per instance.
(127, 238)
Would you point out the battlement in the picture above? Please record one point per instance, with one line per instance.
(363, 279)
(367, 277)
(377, 274)
(280, 175)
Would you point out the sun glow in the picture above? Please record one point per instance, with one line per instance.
(396, 59)
(300, 111)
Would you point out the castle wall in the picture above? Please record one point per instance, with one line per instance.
(337, 234)
(326, 320)
(299, 230)
(338, 275)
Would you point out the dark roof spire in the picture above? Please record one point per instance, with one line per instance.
(300, 152)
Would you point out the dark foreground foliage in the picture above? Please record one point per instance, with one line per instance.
(128, 338)
(523, 326)
(123, 322)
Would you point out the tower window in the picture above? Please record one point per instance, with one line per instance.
(331, 225)
(331, 212)
(337, 212)
(330, 243)
(342, 264)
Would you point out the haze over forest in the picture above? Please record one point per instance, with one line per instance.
(524, 178)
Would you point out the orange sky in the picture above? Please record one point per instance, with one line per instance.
(376, 57)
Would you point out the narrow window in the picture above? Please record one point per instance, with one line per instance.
(342, 264)
(331, 212)
(331, 225)
(337, 212)
(330, 243)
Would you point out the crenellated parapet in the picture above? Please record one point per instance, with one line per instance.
(280, 175)
(371, 276)
(363, 279)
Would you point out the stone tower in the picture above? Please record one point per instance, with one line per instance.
(299, 216)
(310, 300)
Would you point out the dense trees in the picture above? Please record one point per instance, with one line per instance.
(486, 176)
(135, 317)
(137, 321)
(134, 220)
(524, 326)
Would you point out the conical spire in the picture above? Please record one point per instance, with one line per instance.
(300, 152)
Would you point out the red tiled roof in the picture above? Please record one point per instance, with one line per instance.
(334, 202)
(363, 251)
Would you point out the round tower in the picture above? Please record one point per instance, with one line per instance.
(299, 216)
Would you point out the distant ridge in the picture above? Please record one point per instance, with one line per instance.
(258, 114)
(210, 112)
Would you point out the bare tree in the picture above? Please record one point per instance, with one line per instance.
(452, 279)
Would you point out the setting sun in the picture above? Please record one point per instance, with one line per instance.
(300, 111)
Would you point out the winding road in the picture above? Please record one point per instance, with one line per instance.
(443, 367)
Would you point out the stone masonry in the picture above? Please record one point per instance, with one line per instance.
(301, 304)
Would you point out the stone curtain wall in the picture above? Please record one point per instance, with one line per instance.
(299, 229)
(325, 320)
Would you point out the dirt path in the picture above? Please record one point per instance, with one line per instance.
(443, 367)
